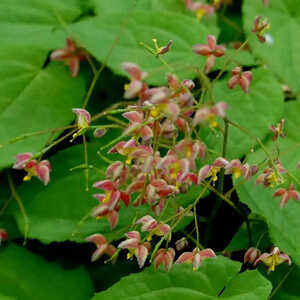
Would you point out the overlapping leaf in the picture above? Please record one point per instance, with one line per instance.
(285, 282)
(39, 12)
(283, 223)
(24, 275)
(32, 98)
(280, 52)
(206, 283)
(254, 111)
(115, 37)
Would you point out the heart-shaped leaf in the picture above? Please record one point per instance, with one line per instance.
(280, 51)
(207, 283)
(24, 275)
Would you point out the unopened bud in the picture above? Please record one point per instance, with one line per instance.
(181, 244)
(251, 255)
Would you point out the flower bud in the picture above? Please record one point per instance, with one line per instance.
(181, 244)
(251, 255)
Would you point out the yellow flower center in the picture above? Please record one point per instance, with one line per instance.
(107, 197)
(236, 173)
(200, 13)
(30, 173)
(213, 172)
(212, 121)
(188, 153)
(274, 179)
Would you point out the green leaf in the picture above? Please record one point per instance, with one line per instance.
(254, 111)
(38, 12)
(26, 276)
(103, 7)
(284, 224)
(119, 36)
(45, 102)
(27, 89)
(249, 285)
(206, 283)
(280, 55)
(285, 282)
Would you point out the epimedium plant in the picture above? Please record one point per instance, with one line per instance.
(197, 123)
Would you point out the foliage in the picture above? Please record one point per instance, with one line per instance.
(204, 135)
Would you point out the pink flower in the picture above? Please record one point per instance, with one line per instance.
(190, 150)
(195, 257)
(200, 8)
(163, 103)
(272, 176)
(156, 189)
(273, 259)
(117, 172)
(260, 27)
(243, 79)
(3, 235)
(136, 247)
(164, 257)
(71, 55)
(132, 150)
(212, 170)
(136, 126)
(210, 113)
(109, 202)
(40, 169)
(102, 246)
(278, 130)
(251, 255)
(112, 195)
(286, 195)
(103, 211)
(211, 51)
(83, 121)
(83, 117)
(136, 85)
(99, 132)
(265, 2)
(153, 227)
(237, 169)
(165, 49)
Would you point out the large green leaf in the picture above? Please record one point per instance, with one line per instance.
(284, 224)
(103, 7)
(153, 6)
(45, 102)
(254, 111)
(285, 282)
(100, 34)
(206, 283)
(27, 89)
(39, 12)
(281, 54)
(26, 276)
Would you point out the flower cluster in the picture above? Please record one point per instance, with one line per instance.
(271, 260)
